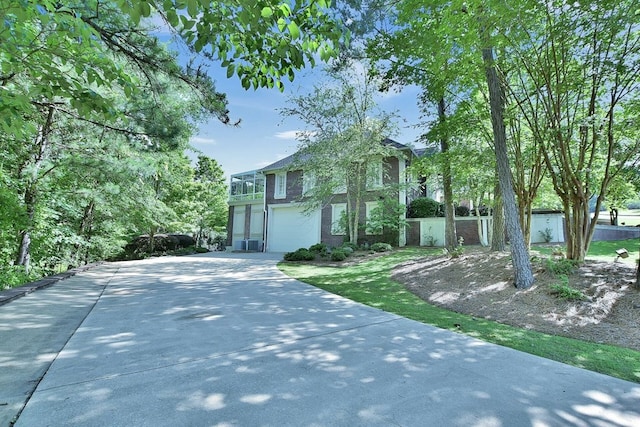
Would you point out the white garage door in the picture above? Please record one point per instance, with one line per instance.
(289, 229)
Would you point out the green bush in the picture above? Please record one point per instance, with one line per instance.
(347, 250)
(462, 211)
(12, 276)
(353, 246)
(423, 207)
(564, 291)
(338, 255)
(381, 247)
(301, 254)
(320, 249)
(561, 266)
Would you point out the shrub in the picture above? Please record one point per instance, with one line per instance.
(635, 204)
(546, 234)
(353, 246)
(12, 276)
(338, 255)
(423, 207)
(319, 248)
(561, 266)
(458, 250)
(462, 211)
(564, 291)
(301, 254)
(381, 247)
(348, 250)
(481, 211)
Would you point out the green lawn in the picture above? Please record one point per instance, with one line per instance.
(629, 217)
(370, 283)
(602, 250)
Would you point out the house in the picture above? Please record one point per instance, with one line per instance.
(266, 212)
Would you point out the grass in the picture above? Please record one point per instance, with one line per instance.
(601, 250)
(370, 283)
(629, 217)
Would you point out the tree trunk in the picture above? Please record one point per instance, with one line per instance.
(498, 243)
(84, 231)
(354, 197)
(30, 194)
(450, 238)
(613, 215)
(520, 256)
(528, 216)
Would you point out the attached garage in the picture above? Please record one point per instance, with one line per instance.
(289, 228)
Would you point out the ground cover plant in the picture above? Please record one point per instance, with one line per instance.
(370, 282)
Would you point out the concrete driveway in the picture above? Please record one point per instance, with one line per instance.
(228, 340)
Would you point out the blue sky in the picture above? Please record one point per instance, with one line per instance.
(264, 136)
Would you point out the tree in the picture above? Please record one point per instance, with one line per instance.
(621, 191)
(449, 42)
(343, 125)
(210, 195)
(578, 74)
(80, 143)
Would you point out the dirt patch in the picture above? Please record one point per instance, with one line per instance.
(480, 283)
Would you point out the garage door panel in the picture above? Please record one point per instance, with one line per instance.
(290, 229)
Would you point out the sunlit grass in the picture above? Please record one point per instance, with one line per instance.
(369, 283)
(601, 250)
(629, 217)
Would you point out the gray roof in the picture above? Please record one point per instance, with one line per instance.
(424, 152)
(287, 161)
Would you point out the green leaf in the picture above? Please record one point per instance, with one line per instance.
(192, 8)
(285, 9)
(230, 70)
(172, 18)
(293, 30)
(267, 12)
(144, 8)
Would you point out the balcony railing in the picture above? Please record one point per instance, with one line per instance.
(246, 197)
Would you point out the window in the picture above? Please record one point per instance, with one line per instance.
(280, 191)
(340, 183)
(308, 182)
(338, 217)
(374, 175)
(372, 227)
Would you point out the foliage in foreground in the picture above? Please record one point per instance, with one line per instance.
(369, 283)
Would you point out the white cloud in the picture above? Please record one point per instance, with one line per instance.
(288, 134)
(204, 141)
(294, 135)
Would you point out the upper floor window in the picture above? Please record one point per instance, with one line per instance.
(308, 182)
(340, 183)
(280, 190)
(374, 175)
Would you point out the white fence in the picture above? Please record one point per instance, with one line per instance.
(431, 230)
